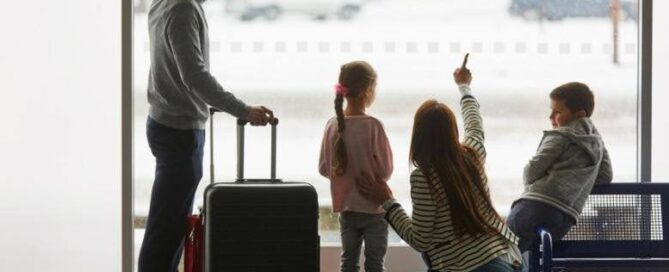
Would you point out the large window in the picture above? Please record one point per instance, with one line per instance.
(287, 57)
(660, 94)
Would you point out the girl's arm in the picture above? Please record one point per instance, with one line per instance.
(325, 154)
(417, 229)
(474, 136)
(383, 155)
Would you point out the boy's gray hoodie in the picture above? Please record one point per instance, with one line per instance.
(570, 160)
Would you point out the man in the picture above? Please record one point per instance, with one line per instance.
(180, 90)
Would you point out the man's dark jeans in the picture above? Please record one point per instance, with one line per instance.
(178, 156)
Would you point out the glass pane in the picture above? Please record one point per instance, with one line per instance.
(660, 94)
(288, 59)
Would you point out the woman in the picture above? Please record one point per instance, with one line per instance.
(453, 223)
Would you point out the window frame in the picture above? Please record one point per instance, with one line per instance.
(644, 117)
(644, 91)
(127, 183)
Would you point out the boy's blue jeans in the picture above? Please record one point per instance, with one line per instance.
(356, 227)
(496, 265)
(527, 216)
(178, 156)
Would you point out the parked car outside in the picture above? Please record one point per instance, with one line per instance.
(560, 9)
(270, 10)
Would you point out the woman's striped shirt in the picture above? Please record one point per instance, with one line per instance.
(430, 228)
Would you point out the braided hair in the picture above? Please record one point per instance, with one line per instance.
(356, 77)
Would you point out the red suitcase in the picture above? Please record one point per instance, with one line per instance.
(194, 245)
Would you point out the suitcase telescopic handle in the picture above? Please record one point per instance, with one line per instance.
(241, 124)
(240, 148)
(211, 144)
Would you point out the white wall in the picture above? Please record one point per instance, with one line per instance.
(660, 92)
(60, 140)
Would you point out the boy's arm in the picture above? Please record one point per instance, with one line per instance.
(549, 150)
(605, 175)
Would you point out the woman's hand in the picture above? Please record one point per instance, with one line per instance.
(374, 188)
(462, 75)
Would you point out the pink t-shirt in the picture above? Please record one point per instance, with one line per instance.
(367, 150)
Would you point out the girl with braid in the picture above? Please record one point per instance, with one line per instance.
(355, 142)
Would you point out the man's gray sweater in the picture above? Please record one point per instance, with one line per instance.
(569, 161)
(180, 85)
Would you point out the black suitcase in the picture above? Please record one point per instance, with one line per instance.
(260, 225)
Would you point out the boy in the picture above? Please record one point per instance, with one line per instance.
(570, 160)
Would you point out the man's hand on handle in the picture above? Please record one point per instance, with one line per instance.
(260, 116)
